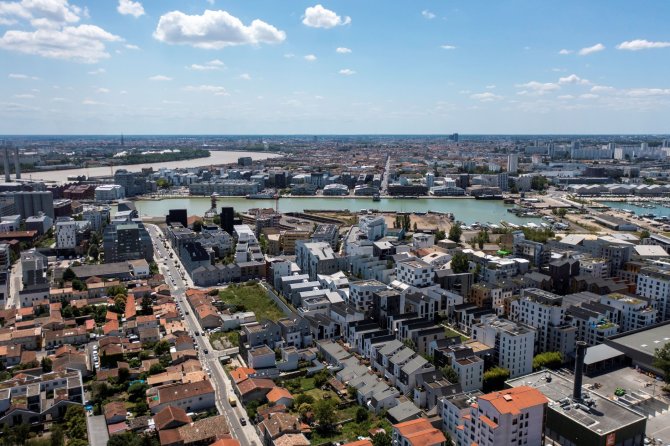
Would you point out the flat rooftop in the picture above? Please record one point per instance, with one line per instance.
(645, 341)
(606, 416)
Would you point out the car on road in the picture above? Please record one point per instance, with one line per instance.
(206, 351)
(243, 422)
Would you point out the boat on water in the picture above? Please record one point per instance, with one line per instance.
(489, 197)
(376, 197)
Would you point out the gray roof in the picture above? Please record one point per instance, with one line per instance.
(404, 412)
(600, 353)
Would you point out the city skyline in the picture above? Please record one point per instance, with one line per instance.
(215, 67)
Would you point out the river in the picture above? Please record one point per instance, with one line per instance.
(216, 157)
(466, 210)
(656, 210)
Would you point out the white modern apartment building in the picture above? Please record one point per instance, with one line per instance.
(360, 293)
(654, 283)
(414, 272)
(66, 233)
(513, 344)
(634, 312)
(109, 192)
(541, 310)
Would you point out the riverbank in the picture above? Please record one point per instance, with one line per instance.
(156, 197)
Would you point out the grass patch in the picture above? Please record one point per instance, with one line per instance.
(251, 298)
(451, 333)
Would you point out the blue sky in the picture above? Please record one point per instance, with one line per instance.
(347, 66)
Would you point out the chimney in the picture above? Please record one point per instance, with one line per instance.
(579, 366)
(5, 149)
(17, 163)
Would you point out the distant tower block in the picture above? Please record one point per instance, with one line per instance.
(17, 163)
(5, 153)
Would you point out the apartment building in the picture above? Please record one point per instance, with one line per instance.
(512, 344)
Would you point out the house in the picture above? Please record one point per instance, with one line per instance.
(417, 432)
(276, 425)
(254, 389)
(191, 397)
(171, 418)
(115, 412)
(280, 395)
(261, 357)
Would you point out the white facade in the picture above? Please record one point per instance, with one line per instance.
(360, 293)
(654, 283)
(414, 272)
(66, 233)
(633, 312)
(373, 227)
(513, 344)
(540, 310)
(109, 192)
(513, 162)
(421, 240)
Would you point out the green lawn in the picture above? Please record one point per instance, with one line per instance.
(451, 333)
(251, 298)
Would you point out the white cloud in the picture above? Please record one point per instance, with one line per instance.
(588, 96)
(83, 43)
(448, 47)
(319, 17)
(102, 90)
(214, 30)
(427, 14)
(212, 65)
(160, 78)
(564, 52)
(289, 56)
(90, 102)
(486, 97)
(565, 97)
(343, 50)
(347, 72)
(245, 76)
(41, 13)
(310, 58)
(6, 22)
(215, 89)
(573, 79)
(645, 92)
(641, 44)
(97, 71)
(21, 76)
(490, 87)
(60, 100)
(591, 49)
(601, 89)
(129, 7)
(537, 88)
(131, 47)
(24, 96)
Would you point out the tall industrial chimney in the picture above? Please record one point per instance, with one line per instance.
(579, 366)
(5, 150)
(17, 163)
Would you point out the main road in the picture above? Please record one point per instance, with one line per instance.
(172, 269)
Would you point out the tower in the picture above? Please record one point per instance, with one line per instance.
(17, 163)
(5, 150)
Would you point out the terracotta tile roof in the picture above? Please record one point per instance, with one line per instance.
(241, 373)
(173, 416)
(212, 428)
(169, 437)
(278, 393)
(226, 442)
(279, 423)
(359, 443)
(292, 440)
(488, 421)
(115, 409)
(177, 392)
(252, 384)
(420, 432)
(515, 400)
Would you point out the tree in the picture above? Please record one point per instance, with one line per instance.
(460, 263)
(57, 436)
(78, 285)
(324, 412)
(451, 374)
(197, 226)
(662, 360)
(303, 398)
(352, 392)
(494, 379)
(644, 234)
(116, 290)
(162, 183)
(550, 360)
(362, 415)
(155, 369)
(440, 235)
(75, 422)
(46, 364)
(147, 305)
(69, 275)
(124, 374)
(94, 252)
(137, 392)
(304, 409)
(562, 212)
(161, 348)
(382, 439)
(321, 378)
(455, 233)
